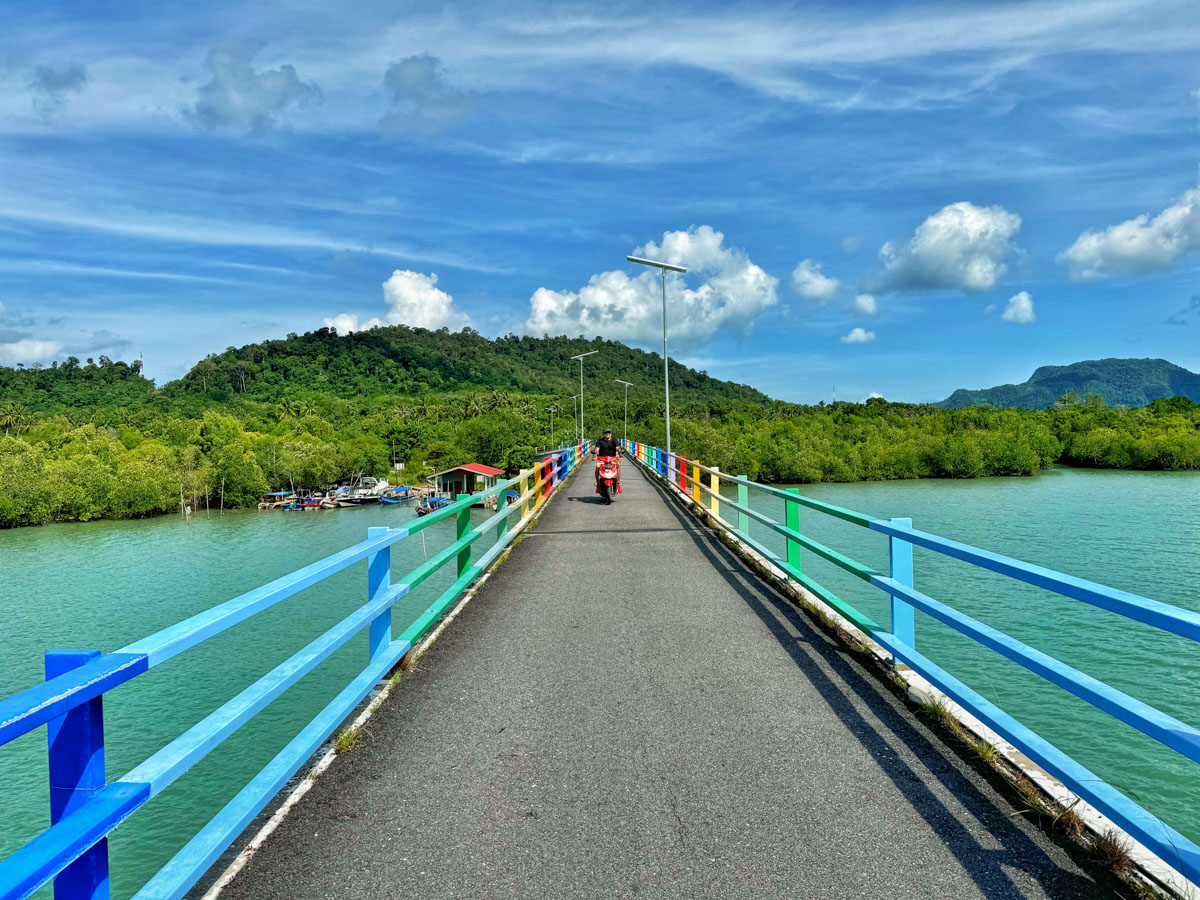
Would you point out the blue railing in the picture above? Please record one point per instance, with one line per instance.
(85, 808)
(687, 479)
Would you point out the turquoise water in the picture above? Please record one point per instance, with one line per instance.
(105, 584)
(1138, 531)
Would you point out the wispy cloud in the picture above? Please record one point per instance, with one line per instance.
(423, 101)
(50, 86)
(151, 226)
(58, 267)
(1188, 314)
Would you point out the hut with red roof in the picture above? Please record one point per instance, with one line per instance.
(469, 478)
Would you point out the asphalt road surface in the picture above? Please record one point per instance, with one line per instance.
(625, 711)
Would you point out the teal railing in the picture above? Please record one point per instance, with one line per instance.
(85, 807)
(702, 485)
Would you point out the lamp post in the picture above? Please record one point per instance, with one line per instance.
(580, 358)
(575, 408)
(663, 269)
(628, 385)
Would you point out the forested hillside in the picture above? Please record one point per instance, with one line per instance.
(400, 360)
(85, 441)
(1119, 382)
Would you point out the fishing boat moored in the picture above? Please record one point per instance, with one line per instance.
(432, 504)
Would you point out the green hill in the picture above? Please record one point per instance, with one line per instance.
(394, 360)
(402, 360)
(1121, 382)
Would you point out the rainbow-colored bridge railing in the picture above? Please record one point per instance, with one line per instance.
(688, 478)
(84, 807)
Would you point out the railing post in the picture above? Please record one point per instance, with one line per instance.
(900, 557)
(548, 475)
(792, 520)
(379, 579)
(696, 482)
(743, 525)
(683, 473)
(714, 482)
(502, 526)
(524, 491)
(462, 519)
(76, 747)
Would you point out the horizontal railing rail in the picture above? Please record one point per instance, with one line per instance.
(85, 808)
(685, 478)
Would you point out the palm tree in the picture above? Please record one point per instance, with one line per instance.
(286, 409)
(14, 417)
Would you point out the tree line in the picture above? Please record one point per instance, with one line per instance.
(113, 461)
(88, 440)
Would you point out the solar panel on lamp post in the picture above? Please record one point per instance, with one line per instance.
(580, 358)
(628, 385)
(663, 269)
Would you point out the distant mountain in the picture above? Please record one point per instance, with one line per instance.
(1121, 382)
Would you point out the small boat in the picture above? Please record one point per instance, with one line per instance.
(396, 495)
(276, 500)
(366, 490)
(432, 504)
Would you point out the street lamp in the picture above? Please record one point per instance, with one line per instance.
(575, 409)
(580, 358)
(628, 385)
(663, 269)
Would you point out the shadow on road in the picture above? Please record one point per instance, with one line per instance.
(886, 729)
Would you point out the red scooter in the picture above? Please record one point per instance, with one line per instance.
(609, 486)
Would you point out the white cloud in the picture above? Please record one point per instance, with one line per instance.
(732, 294)
(237, 96)
(874, 395)
(865, 304)
(858, 336)
(809, 283)
(1140, 244)
(1019, 309)
(960, 246)
(414, 300)
(851, 244)
(344, 323)
(28, 350)
(422, 101)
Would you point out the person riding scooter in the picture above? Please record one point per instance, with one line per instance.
(606, 448)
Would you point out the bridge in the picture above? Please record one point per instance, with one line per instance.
(643, 700)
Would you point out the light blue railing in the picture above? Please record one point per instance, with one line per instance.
(686, 478)
(84, 807)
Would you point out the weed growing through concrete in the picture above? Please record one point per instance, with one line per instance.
(349, 739)
(985, 751)
(1111, 852)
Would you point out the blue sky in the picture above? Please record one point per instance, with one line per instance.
(891, 198)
